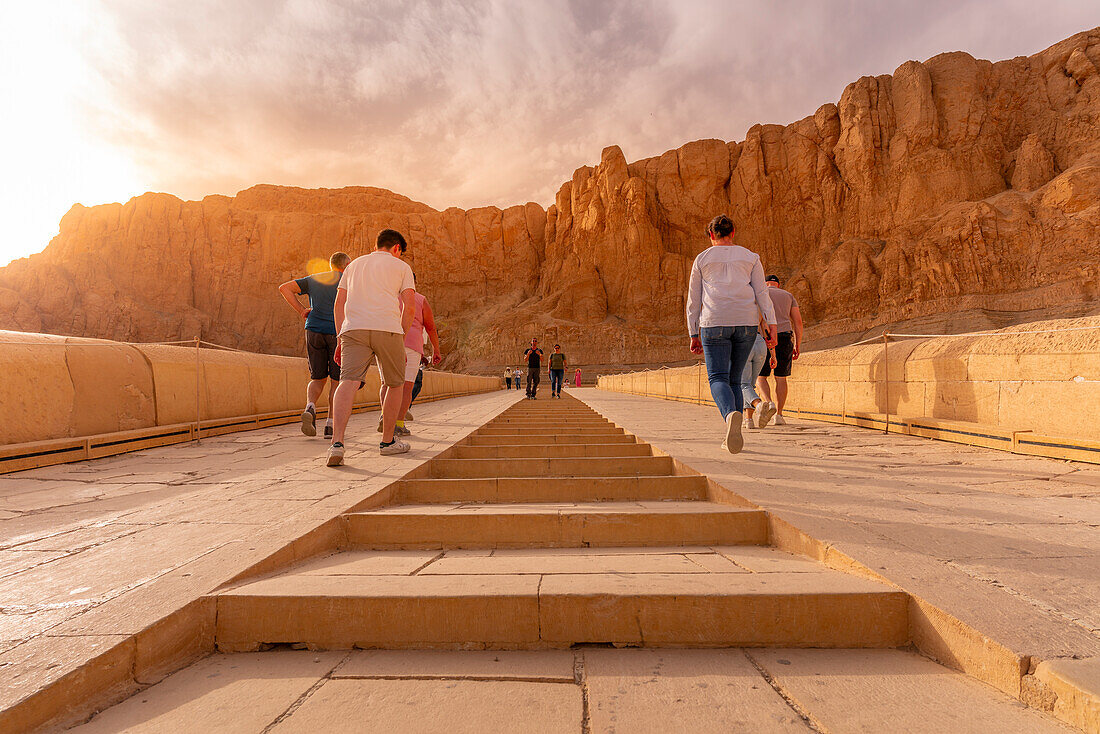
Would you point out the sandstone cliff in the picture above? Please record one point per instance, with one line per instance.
(952, 194)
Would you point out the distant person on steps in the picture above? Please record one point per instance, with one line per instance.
(507, 378)
(787, 349)
(320, 335)
(558, 364)
(517, 377)
(533, 355)
(726, 294)
(374, 309)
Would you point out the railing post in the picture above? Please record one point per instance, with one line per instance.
(886, 371)
(198, 393)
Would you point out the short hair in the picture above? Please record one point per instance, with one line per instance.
(390, 238)
(557, 346)
(720, 226)
(339, 260)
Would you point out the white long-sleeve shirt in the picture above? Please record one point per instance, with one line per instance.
(727, 289)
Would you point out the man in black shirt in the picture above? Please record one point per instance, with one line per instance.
(533, 355)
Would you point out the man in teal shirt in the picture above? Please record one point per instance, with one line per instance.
(320, 334)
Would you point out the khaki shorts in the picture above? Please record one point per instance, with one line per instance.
(359, 347)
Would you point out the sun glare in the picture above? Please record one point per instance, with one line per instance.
(51, 157)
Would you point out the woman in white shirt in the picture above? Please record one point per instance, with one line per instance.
(726, 295)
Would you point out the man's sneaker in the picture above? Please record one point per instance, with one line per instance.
(747, 424)
(336, 454)
(394, 447)
(379, 429)
(309, 422)
(401, 431)
(408, 417)
(734, 440)
(779, 420)
(767, 412)
(328, 430)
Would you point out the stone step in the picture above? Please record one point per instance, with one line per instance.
(550, 420)
(622, 466)
(557, 525)
(660, 599)
(552, 451)
(493, 430)
(524, 439)
(550, 489)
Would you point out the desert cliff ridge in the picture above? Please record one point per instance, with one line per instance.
(953, 194)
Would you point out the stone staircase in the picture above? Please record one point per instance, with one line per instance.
(550, 527)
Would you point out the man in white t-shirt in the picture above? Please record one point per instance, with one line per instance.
(374, 309)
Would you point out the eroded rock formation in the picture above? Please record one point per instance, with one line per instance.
(952, 194)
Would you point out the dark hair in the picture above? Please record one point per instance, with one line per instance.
(557, 346)
(720, 226)
(339, 260)
(390, 238)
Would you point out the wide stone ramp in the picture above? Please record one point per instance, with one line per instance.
(593, 557)
(551, 527)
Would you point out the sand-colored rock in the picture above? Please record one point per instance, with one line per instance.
(955, 193)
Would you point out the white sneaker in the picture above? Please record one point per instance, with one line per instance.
(747, 424)
(336, 454)
(734, 440)
(779, 420)
(397, 447)
(767, 412)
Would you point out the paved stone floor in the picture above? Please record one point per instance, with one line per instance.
(95, 551)
(1009, 544)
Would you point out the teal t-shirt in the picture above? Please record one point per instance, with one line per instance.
(321, 289)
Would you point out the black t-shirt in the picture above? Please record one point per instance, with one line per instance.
(534, 358)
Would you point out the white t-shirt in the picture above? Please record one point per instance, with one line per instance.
(374, 284)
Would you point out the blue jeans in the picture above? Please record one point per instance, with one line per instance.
(726, 350)
(556, 379)
(757, 358)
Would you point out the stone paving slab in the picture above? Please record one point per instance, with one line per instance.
(130, 539)
(891, 690)
(576, 691)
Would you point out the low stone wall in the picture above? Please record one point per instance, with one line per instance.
(65, 387)
(1015, 381)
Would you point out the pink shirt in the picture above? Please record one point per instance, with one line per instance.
(414, 339)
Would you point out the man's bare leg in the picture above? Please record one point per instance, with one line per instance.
(342, 401)
(764, 389)
(314, 390)
(780, 393)
(390, 409)
(406, 399)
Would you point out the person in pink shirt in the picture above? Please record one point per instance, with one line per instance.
(577, 377)
(423, 321)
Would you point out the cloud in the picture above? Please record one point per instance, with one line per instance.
(479, 102)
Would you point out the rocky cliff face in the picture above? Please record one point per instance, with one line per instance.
(952, 194)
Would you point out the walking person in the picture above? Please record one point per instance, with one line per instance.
(320, 335)
(375, 305)
(789, 346)
(762, 353)
(533, 355)
(726, 294)
(577, 377)
(557, 371)
(423, 324)
(508, 378)
(517, 377)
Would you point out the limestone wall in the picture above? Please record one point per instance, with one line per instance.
(64, 387)
(1048, 382)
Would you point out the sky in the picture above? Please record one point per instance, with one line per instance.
(450, 102)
